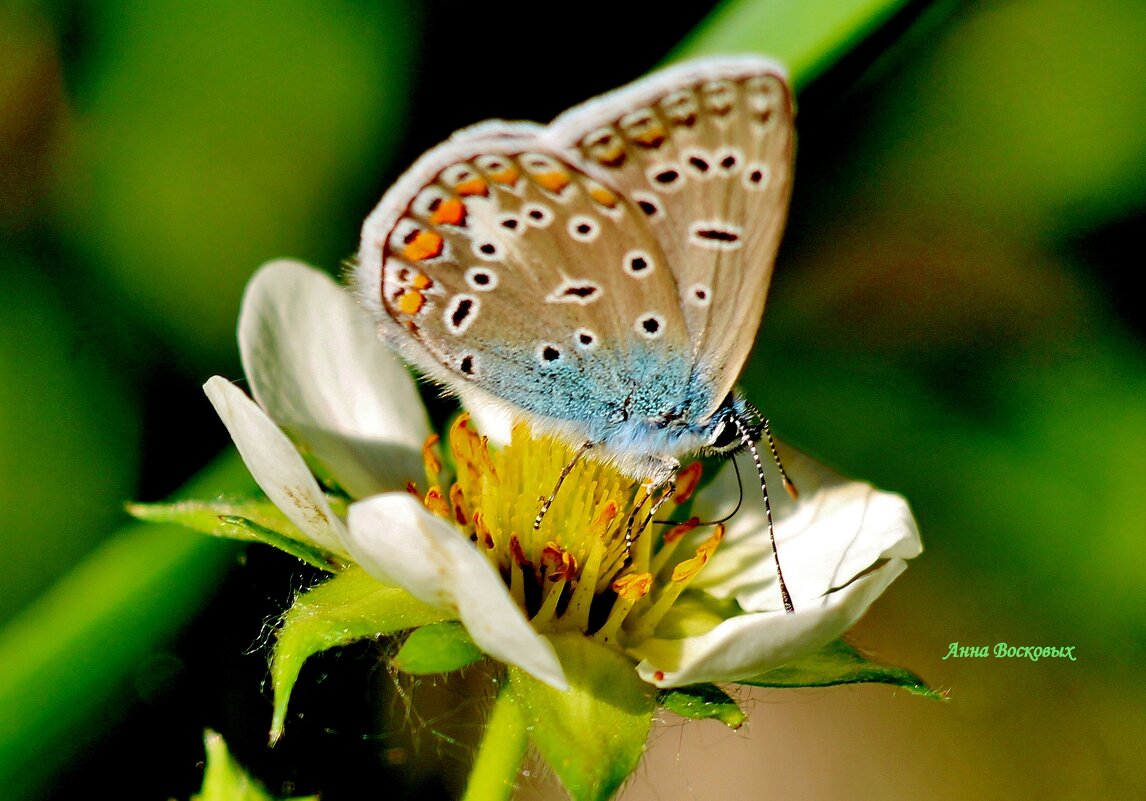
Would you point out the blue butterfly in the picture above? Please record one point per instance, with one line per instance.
(602, 277)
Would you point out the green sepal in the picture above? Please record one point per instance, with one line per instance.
(225, 780)
(349, 607)
(436, 648)
(251, 520)
(594, 733)
(702, 702)
(839, 663)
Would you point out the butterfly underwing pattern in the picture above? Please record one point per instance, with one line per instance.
(602, 277)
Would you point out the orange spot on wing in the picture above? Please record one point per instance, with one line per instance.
(411, 302)
(422, 281)
(507, 177)
(424, 245)
(653, 137)
(449, 212)
(604, 197)
(554, 180)
(474, 186)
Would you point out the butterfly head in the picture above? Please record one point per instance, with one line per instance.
(733, 425)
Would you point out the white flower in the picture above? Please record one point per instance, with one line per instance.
(326, 387)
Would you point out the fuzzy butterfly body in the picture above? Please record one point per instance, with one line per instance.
(602, 277)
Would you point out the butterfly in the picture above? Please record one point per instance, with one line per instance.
(602, 277)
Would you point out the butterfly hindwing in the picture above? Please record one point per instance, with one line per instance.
(497, 262)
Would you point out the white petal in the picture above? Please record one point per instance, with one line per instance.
(276, 465)
(838, 529)
(398, 542)
(317, 366)
(749, 644)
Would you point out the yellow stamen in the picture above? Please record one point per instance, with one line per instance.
(682, 576)
(686, 482)
(430, 459)
(435, 501)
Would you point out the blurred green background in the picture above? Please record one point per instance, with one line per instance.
(954, 316)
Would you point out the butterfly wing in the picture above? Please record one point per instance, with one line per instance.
(705, 150)
(497, 265)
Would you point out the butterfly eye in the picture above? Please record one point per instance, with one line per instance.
(725, 438)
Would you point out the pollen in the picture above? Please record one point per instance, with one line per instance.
(597, 562)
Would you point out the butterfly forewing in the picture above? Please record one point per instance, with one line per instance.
(705, 151)
(504, 265)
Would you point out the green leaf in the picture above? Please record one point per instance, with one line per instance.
(251, 520)
(349, 607)
(592, 734)
(225, 779)
(701, 702)
(437, 648)
(839, 663)
(807, 35)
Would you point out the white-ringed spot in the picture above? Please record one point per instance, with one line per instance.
(584, 229)
(719, 97)
(487, 250)
(605, 146)
(699, 163)
(465, 181)
(581, 292)
(585, 339)
(428, 200)
(548, 354)
(638, 263)
(728, 161)
(537, 162)
(460, 313)
(680, 108)
(536, 215)
(715, 235)
(481, 279)
(467, 365)
(643, 128)
(756, 176)
(511, 223)
(666, 177)
(698, 295)
(650, 205)
(764, 93)
(650, 325)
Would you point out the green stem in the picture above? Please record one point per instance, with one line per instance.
(501, 752)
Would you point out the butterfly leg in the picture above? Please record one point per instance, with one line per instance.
(565, 471)
(662, 485)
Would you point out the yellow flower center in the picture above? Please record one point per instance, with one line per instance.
(598, 563)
